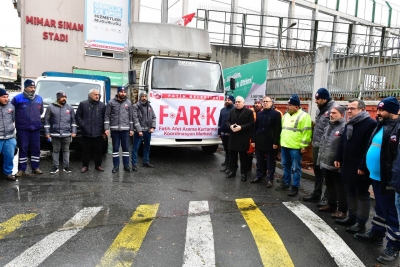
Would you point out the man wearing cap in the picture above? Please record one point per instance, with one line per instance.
(240, 123)
(381, 153)
(266, 135)
(337, 199)
(223, 129)
(90, 118)
(324, 103)
(144, 122)
(28, 109)
(60, 127)
(295, 137)
(118, 119)
(7, 135)
(350, 158)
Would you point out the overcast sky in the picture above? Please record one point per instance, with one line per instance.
(10, 24)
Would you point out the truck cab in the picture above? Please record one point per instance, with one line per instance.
(76, 87)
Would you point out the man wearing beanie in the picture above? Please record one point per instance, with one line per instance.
(90, 118)
(240, 123)
(223, 129)
(350, 158)
(60, 127)
(118, 119)
(295, 137)
(7, 136)
(28, 109)
(324, 103)
(144, 122)
(329, 143)
(381, 153)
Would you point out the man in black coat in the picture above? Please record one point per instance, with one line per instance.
(90, 118)
(223, 129)
(240, 123)
(382, 150)
(266, 139)
(350, 159)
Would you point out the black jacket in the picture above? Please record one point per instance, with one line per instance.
(223, 129)
(267, 129)
(240, 141)
(351, 152)
(388, 150)
(90, 117)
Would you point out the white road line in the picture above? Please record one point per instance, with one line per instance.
(199, 246)
(340, 252)
(36, 254)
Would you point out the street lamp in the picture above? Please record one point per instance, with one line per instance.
(279, 39)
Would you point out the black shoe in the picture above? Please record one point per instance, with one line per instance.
(388, 255)
(256, 180)
(231, 175)
(294, 191)
(282, 187)
(148, 165)
(115, 169)
(323, 202)
(227, 171)
(312, 198)
(127, 169)
(356, 228)
(134, 168)
(346, 221)
(224, 164)
(244, 177)
(367, 237)
(223, 169)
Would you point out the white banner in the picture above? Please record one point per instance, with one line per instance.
(106, 24)
(186, 115)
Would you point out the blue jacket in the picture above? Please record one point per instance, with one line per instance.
(27, 112)
(223, 129)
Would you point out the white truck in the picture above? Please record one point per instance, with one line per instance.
(184, 87)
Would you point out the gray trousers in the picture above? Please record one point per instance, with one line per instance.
(63, 144)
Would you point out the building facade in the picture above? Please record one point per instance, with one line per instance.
(53, 39)
(9, 59)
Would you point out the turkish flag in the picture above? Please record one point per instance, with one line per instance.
(188, 18)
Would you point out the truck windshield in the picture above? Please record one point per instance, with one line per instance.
(186, 75)
(75, 91)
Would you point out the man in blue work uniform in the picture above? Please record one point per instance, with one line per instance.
(380, 156)
(223, 129)
(28, 109)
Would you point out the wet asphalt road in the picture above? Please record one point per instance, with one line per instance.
(180, 175)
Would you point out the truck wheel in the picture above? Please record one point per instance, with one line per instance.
(209, 149)
(105, 146)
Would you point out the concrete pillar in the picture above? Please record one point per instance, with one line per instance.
(291, 14)
(320, 75)
(164, 11)
(264, 9)
(185, 7)
(233, 27)
(135, 10)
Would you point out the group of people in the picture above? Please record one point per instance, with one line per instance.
(120, 119)
(349, 156)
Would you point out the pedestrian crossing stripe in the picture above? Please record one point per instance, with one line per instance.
(333, 243)
(270, 246)
(128, 242)
(14, 223)
(36, 254)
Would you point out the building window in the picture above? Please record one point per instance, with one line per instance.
(96, 53)
(6, 72)
(93, 53)
(118, 55)
(1, 72)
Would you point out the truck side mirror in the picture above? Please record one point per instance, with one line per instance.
(132, 76)
(232, 84)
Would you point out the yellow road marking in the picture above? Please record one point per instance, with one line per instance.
(270, 246)
(126, 245)
(15, 222)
